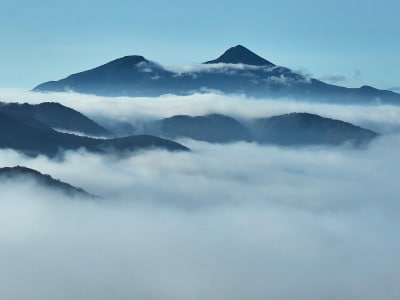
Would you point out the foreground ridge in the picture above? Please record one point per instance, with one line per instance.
(19, 172)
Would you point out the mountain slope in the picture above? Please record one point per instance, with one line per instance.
(295, 129)
(56, 116)
(212, 128)
(33, 137)
(126, 76)
(238, 70)
(241, 55)
(308, 129)
(23, 173)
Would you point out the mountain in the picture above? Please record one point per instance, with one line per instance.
(238, 70)
(295, 129)
(241, 55)
(33, 137)
(56, 116)
(18, 173)
(127, 76)
(212, 128)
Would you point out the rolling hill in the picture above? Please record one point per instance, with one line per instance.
(19, 173)
(33, 137)
(294, 129)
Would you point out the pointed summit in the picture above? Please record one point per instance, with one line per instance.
(240, 55)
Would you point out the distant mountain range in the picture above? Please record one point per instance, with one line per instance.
(295, 129)
(238, 70)
(23, 133)
(18, 173)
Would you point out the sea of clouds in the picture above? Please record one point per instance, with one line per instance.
(382, 118)
(236, 221)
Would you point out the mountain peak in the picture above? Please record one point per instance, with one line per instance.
(240, 55)
(129, 59)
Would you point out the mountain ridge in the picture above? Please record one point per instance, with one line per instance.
(18, 172)
(32, 137)
(293, 129)
(56, 116)
(135, 76)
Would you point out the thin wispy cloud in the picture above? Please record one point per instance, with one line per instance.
(335, 79)
(358, 75)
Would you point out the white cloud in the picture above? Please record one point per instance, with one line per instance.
(237, 221)
(220, 67)
(222, 222)
(382, 118)
(335, 79)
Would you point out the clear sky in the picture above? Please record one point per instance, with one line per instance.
(352, 42)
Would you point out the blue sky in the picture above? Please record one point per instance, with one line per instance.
(356, 42)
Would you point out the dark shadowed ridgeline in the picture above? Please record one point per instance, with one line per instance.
(308, 129)
(295, 129)
(23, 130)
(213, 128)
(238, 70)
(19, 173)
(56, 116)
(33, 137)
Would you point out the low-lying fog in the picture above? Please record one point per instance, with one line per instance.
(381, 118)
(237, 221)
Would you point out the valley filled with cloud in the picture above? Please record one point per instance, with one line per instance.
(223, 221)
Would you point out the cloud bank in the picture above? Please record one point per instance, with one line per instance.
(236, 221)
(222, 222)
(384, 119)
